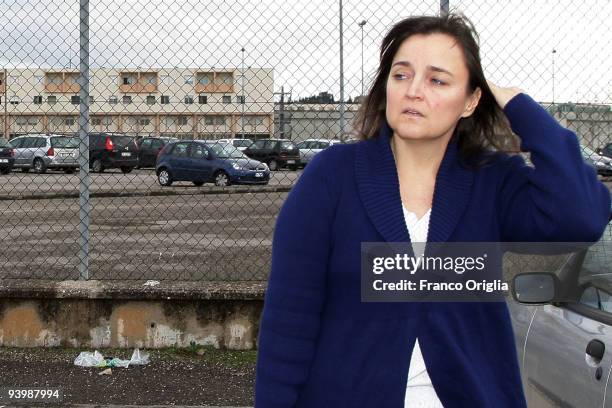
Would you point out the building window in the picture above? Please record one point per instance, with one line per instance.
(209, 120)
(226, 78)
(188, 79)
(51, 99)
(151, 100)
(128, 80)
(219, 120)
(127, 99)
(227, 99)
(144, 121)
(151, 80)
(182, 120)
(32, 121)
(202, 99)
(14, 100)
(69, 122)
(21, 121)
(96, 122)
(91, 100)
(188, 99)
(37, 100)
(165, 99)
(204, 80)
(112, 100)
(75, 99)
(240, 98)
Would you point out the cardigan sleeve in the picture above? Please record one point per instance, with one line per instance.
(559, 199)
(296, 287)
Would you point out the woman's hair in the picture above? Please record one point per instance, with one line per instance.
(486, 128)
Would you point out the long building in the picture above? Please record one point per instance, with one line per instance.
(181, 102)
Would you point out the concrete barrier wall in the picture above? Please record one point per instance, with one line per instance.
(92, 314)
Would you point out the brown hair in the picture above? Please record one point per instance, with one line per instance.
(486, 128)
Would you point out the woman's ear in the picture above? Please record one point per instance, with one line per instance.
(472, 103)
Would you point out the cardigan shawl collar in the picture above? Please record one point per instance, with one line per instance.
(378, 186)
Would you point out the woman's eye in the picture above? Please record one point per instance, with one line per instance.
(437, 81)
(399, 76)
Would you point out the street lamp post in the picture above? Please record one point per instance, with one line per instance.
(361, 24)
(242, 99)
(553, 75)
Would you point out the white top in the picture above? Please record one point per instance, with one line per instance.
(419, 392)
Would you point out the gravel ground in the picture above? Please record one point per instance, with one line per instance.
(173, 377)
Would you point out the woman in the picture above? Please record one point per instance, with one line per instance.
(430, 168)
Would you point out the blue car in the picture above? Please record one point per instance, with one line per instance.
(205, 162)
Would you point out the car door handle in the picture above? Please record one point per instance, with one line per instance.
(596, 349)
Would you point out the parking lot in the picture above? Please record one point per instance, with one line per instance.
(192, 236)
(17, 183)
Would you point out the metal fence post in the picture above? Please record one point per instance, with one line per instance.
(341, 77)
(84, 179)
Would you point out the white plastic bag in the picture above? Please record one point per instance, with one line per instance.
(139, 357)
(87, 359)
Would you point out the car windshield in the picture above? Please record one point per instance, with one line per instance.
(65, 142)
(242, 142)
(225, 151)
(121, 141)
(4, 143)
(287, 145)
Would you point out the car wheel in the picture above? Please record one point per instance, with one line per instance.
(96, 166)
(25, 169)
(222, 179)
(5, 170)
(198, 183)
(293, 167)
(273, 165)
(68, 171)
(126, 170)
(39, 166)
(164, 177)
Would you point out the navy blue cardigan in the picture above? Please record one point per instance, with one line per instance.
(320, 346)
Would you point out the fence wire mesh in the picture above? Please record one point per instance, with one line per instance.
(272, 80)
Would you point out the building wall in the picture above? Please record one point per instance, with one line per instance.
(143, 113)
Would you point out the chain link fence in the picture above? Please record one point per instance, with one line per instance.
(92, 91)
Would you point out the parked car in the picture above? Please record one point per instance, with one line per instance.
(606, 150)
(204, 162)
(41, 152)
(276, 153)
(563, 330)
(149, 148)
(240, 144)
(309, 147)
(112, 150)
(602, 164)
(7, 156)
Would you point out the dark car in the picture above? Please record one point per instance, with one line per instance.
(112, 150)
(606, 150)
(276, 153)
(149, 148)
(7, 156)
(201, 162)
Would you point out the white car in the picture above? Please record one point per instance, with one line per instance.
(309, 147)
(240, 144)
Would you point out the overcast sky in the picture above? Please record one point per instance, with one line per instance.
(300, 40)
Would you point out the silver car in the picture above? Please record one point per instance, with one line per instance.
(309, 147)
(563, 330)
(41, 152)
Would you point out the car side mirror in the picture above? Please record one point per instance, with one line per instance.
(535, 287)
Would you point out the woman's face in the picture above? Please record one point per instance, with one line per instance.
(428, 75)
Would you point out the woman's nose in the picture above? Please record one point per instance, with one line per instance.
(415, 88)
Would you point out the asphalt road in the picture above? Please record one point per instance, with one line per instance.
(186, 237)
